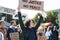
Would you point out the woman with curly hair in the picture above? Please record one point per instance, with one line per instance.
(29, 28)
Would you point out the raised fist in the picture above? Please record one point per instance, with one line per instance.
(18, 8)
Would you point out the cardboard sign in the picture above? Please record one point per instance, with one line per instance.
(31, 4)
(14, 36)
(7, 10)
(42, 38)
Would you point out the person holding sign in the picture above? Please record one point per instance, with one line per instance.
(12, 29)
(2, 30)
(29, 28)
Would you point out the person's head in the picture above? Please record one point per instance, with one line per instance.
(40, 29)
(2, 23)
(13, 23)
(54, 28)
(30, 23)
(49, 28)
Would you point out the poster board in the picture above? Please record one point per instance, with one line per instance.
(7, 10)
(42, 38)
(31, 4)
(14, 36)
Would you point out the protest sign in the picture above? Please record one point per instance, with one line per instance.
(14, 36)
(42, 38)
(7, 10)
(31, 4)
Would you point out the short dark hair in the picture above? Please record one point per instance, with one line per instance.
(28, 23)
(12, 21)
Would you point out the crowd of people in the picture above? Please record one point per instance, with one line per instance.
(29, 30)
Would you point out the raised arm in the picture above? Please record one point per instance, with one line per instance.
(38, 22)
(20, 19)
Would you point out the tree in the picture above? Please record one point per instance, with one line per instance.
(52, 16)
(8, 18)
(36, 17)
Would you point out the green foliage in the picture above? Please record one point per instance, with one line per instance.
(36, 17)
(2, 15)
(8, 17)
(52, 16)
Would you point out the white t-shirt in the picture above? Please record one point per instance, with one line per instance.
(14, 26)
(1, 36)
(48, 33)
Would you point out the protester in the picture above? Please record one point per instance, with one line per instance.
(55, 33)
(1, 36)
(40, 33)
(29, 29)
(21, 36)
(12, 29)
(48, 33)
(3, 29)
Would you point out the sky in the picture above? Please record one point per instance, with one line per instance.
(48, 5)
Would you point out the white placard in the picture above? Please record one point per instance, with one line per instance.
(31, 4)
(7, 10)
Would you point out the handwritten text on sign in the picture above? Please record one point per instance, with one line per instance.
(7, 10)
(14, 36)
(31, 4)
